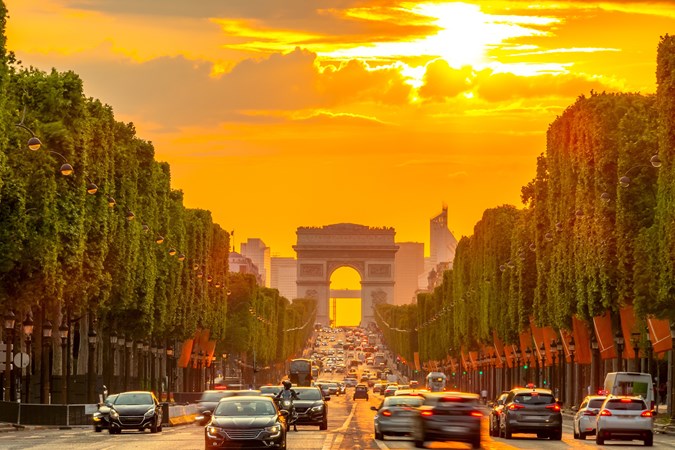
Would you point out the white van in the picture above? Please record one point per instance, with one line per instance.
(631, 383)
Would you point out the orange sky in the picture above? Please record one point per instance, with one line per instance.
(278, 114)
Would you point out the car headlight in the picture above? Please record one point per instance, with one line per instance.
(149, 413)
(213, 431)
(317, 408)
(274, 429)
(114, 414)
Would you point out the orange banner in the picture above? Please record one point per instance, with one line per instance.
(550, 336)
(499, 350)
(602, 325)
(416, 358)
(659, 334)
(510, 359)
(473, 357)
(525, 345)
(210, 350)
(628, 329)
(538, 338)
(582, 341)
(565, 336)
(185, 353)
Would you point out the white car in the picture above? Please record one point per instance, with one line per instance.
(586, 416)
(625, 418)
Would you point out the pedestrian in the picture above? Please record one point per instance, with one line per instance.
(663, 391)
(483, 395)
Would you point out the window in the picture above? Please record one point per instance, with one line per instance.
(534, 398)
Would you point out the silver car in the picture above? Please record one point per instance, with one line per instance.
(585, 417)
(625, 418)
(395, 416)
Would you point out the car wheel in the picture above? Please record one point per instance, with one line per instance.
(111, 430)
(574, 432)
(599, 439)
(324, 424)
(475, 443)
(582, 436)
(419, 444)
(379, 436)
(556, 435)
(649, 440)
(507, 431)
(98, 429)
(541, 435)
(153, 427)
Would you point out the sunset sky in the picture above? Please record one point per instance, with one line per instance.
(279, 114)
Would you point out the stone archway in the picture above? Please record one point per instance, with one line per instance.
(370, 251)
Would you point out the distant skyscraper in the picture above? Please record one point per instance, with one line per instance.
(284, 276)
(442, 243)
(259, 253)
(239, 263)
(408, 267)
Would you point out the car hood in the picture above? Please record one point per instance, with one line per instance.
(132, 410)
(207, 406)
(307, 403)
(104, 409)
(243, 422)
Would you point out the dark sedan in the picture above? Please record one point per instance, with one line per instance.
(101, 417)
(210, 399)
(246, 422)
(533, 411)
(496, 413)
(136, 410)
(448, 416)
(311, 407)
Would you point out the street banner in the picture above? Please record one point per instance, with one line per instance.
(602, 325)
(659, 334)
(582, 341)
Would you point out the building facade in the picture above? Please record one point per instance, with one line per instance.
(408, 267)
(239, 263)
(259, 253)
(284, 276)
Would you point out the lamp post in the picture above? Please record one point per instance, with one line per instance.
(63, 334)
(9, 327)
(561, 368)
(129, 346)
(146, 363)
(618, 339)
(595, 363)
(672, 374)
(519, 355)
(573, 375)
(169, 370)
(28, 326)
(113, 347)
(528, 355)
(91, 363)
(45, 371)
(153, 369)
(635, 340)
(542, 366)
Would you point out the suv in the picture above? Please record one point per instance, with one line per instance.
(448, 416)
(586, 416)
(311, 407)
(531, 411)
(624, 418)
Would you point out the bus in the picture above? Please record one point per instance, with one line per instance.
(436, 381)
(301, 372)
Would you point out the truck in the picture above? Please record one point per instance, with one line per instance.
(379, 360)
(436, 381)
(631, 383)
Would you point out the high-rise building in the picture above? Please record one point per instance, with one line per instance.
(408, 266)
(284, 276)
(239, 263)
(442, 243)
(259, 253)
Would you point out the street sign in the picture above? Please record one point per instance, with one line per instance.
(21, 360)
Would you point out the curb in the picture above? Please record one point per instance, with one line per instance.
(182, 420)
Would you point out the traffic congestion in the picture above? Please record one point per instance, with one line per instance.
(346, 392)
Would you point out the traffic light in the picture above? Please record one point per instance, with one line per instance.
(464, 372)
(545, 383)
(480, 372)
(525, 366)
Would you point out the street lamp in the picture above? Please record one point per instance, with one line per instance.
(28, 326)
(561, 367)
(91, 360)
(113, 347)
(618, 339)
(65, 370)
(129, 345)
(153, 363)
(595, 363)
(573, 389)
(9, 327)
(45, 372)
(169, 363)
(139, 365)
(542, 365)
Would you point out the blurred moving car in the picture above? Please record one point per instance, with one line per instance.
(395, 416)
(377, 388)
(361, 391)
(246, 421)
(270, 391)
(210, 399)
(625, 418)
(531, 410)
(399, 392)
(390, 390)
(495, 414)
(311, 407)
(448, 416)
(101, 417)
(135, 410)
(586, 416)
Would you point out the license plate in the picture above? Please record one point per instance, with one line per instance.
(455, 429)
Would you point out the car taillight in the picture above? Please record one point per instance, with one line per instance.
(427, 413)
(647, 413)
(588, 412)
(605, 412)
(476, 414)
(555, 407)
(515, 406)
(626, 400)
(386, 413)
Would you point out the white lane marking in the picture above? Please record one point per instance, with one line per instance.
(381, 444)
(338, 441)
(327, 442)
(348, 419)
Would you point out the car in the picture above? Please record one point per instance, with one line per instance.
(624, 418)
(377, 388)
(531, 410)
(209, 399)
(270, 391)
(495, 414)
(250, 421)
(350, 381)
(135, 410)
(395, 416)
(361, 391)
(390, 390)
(414, 392)
(311, 407)
(101, 417)
(586, 416)
(447, 416)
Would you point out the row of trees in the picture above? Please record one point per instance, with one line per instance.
(113, 242)
(583, 244)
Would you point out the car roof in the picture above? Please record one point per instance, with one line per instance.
(239, 398)
(538, 390)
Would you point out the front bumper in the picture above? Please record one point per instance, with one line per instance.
(101, 421)
(310, 415)
(132, 422)
(242, 438)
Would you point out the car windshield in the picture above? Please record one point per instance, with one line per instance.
(245, 408)
(110, 399)
(134, 399)
(402, 401)
(309, 394)
(625, 404)
(270, 389)
(212, 396)
(595, 403)
(534, 398)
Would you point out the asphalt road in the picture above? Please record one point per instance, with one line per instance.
(350, 426)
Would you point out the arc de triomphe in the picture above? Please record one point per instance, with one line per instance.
(370, 251)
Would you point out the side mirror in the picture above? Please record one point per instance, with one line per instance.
(204, 418)
(373, 408)
(575, 408)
